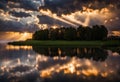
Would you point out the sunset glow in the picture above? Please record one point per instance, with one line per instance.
(82, 17)
(72, 67)
(59, 40)
(16, 36)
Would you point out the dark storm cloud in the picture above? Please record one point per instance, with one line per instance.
(3, 4)
(71, 6)
(19, 14)
(16, 13)
(56, 6)
(68, 6)
(16, 26)
(44, 21)
(114, 25)
(59, 6)
(51, 21)
(9, 25)
(28, 4)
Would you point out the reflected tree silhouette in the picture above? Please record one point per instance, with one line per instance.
(97, 54)
(115, 49)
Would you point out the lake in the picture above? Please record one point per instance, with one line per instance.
(57, 64)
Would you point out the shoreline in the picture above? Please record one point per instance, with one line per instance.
(62, 43)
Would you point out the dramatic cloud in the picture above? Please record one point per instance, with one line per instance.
(19, 24)
(16, 26)
(27, 4)
(48, 20)
(19, 14)
(28, 65)
(31, 15)
(87, 12)
(3, 4)
(69, 6)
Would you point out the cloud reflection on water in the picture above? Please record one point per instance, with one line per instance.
(33, 67)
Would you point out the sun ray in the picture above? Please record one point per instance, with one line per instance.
(54, 16)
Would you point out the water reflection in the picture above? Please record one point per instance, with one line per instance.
(114, 49)
(10, 47)
(58, 64)
(97, 54)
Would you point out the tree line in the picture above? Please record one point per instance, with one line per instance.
(97, 54)
(97, 32)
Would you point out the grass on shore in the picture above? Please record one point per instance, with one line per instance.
(67, 43)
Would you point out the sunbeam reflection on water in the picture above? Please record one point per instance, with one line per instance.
(25, 65)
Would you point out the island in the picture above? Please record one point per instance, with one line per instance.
(95, 36)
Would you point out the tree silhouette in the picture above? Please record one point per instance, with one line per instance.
(88, 33)
(80, 33)
(104, 32)
(61, 33)
(97, 32)
(54, 33)
(96, 54)
(41, 35)
(70, 34)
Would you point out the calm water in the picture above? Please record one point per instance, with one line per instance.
(38, 64)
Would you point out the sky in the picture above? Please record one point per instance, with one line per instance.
(21, 16)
